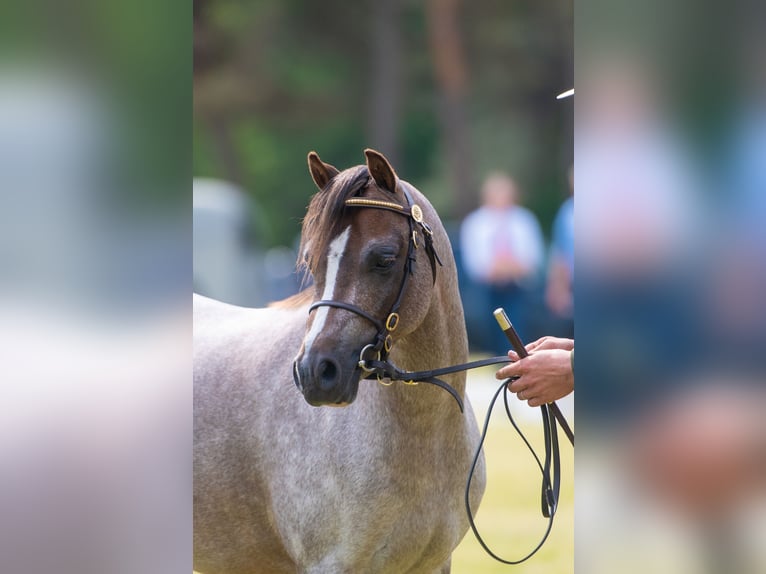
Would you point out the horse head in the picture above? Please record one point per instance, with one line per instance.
(367, 246)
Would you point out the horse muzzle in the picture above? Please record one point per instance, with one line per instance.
(323, 380)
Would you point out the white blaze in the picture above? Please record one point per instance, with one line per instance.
(334, 255)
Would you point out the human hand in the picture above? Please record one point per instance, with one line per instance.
(543, 344)
(544, 376)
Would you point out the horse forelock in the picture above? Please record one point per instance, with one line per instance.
(324, 217)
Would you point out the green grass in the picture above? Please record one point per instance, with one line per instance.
(509, 518)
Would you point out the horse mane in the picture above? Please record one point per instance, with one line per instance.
(324, 216)
(296, 301)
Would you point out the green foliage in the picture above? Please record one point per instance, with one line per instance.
(277, 79)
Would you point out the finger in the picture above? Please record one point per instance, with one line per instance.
(517, 386)
(534, 344)
(522, 395)
(535, 402)
(508, 371)
(503, 373)
(513, 355)
(542, 343)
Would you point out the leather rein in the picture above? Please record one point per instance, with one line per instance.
(374, 362)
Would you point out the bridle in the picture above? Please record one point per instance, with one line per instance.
(373, 359)
(383, 341)
(374, 362)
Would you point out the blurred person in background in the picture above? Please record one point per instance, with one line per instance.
(702, 452)
(635, 269)
(502, 249)
(559, 297)
(667, 277)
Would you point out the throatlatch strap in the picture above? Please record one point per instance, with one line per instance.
(347, 307)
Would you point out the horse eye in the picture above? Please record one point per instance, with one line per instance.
(385, 263)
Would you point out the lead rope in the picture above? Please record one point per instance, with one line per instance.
(550, 492)
(379, 370)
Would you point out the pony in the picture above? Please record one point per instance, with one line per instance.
(284, 483)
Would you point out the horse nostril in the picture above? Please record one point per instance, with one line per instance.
(327, 374)
(297, 376)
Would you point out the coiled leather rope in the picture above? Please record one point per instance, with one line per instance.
(550, 488)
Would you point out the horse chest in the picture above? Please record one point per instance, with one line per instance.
(383, 507)
(390, 530)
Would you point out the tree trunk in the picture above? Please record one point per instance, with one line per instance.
(386, 81)
(451, 80)
(225, 150)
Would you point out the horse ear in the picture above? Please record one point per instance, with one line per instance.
(380, 170)
(320, 171)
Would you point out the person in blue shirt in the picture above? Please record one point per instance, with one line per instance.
(558, 291)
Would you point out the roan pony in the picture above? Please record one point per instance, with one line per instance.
(376, 486)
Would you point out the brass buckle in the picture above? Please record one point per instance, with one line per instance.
(411, 383)
(415, 238)
(392, 322)
(417, 213)
(384, 383)
(388, 343)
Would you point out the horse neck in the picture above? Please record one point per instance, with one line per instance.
(439, 341)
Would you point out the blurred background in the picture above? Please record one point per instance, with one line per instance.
(449, 91)
(95, 282)
(671, 157)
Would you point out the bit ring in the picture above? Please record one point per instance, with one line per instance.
(363, 361)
